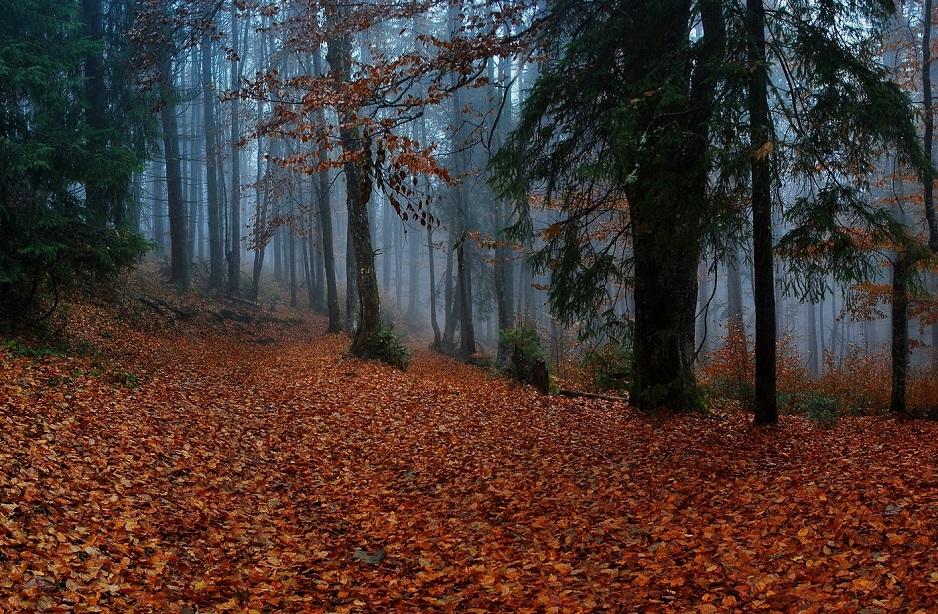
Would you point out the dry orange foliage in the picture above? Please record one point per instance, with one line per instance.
(285, 477)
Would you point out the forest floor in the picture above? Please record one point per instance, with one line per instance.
(177, 463)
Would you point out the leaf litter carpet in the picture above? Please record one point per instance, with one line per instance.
(199, 472)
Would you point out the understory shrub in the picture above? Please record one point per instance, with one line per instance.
(609, 366)
(525, 357)
(390, 349)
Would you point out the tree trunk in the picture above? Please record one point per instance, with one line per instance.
(814, 362)
(358, 193)
(351, 282)
(467, 340)
(156, 211)
(215, 250)
(901, 271)
(929, 135)
(234, 253)
(195, 167)
(766, 404)
(291, 260)
(437, 338)
(703, 335)
(449, 309)
(503, 273)
(734, 291)
(179, 263)
(666, 246)
(413, 284)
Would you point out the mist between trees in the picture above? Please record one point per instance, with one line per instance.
(665, 189)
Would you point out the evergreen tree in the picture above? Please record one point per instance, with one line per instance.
(615, 132)
(652, 137)
(65, 171)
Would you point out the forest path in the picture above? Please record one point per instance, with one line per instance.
(244, 476)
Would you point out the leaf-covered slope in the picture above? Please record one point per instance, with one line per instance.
(209, 474)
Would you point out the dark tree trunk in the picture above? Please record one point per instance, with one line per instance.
(814, 358)
(159, 219)
(328, 252)
(467, 340)
(503, 278)
(234, 252)
(179, 263)
(666, 246)
(351, 282)
(437, 338)
(195, 167)
(766, 404)
(325, 225)
(291, 260)
(413, 284)
(929, 135)
(215, 238)
(901, 270)
(449, 305)
(734, 292)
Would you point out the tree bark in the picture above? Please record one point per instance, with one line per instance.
(929, 136)
(179, 263)
(358, 192)
(215, 251)
(234, 253)
(900, 333)
(766, 404)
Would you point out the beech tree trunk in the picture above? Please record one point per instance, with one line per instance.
(325, 225)
(358, 192)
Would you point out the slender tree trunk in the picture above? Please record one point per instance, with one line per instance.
(351, 281)
(291, 251)
(159, 219)
(814, 363)
(195, 167)
(179, 263)
(413, 284)
(437, 338)
(703, 335)
(386, 245)
(467, 342)
(502, 272)
(901, 271)
(234, 253)
(734, 291)
(328, 253)
(929, 124)
(766, 404)
(306, 247)
(137, 202)
(399, 263)
(449, 305)
(215, 250)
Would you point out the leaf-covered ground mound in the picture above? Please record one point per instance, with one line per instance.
(195, 468)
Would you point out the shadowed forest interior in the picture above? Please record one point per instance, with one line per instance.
(378, 240)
